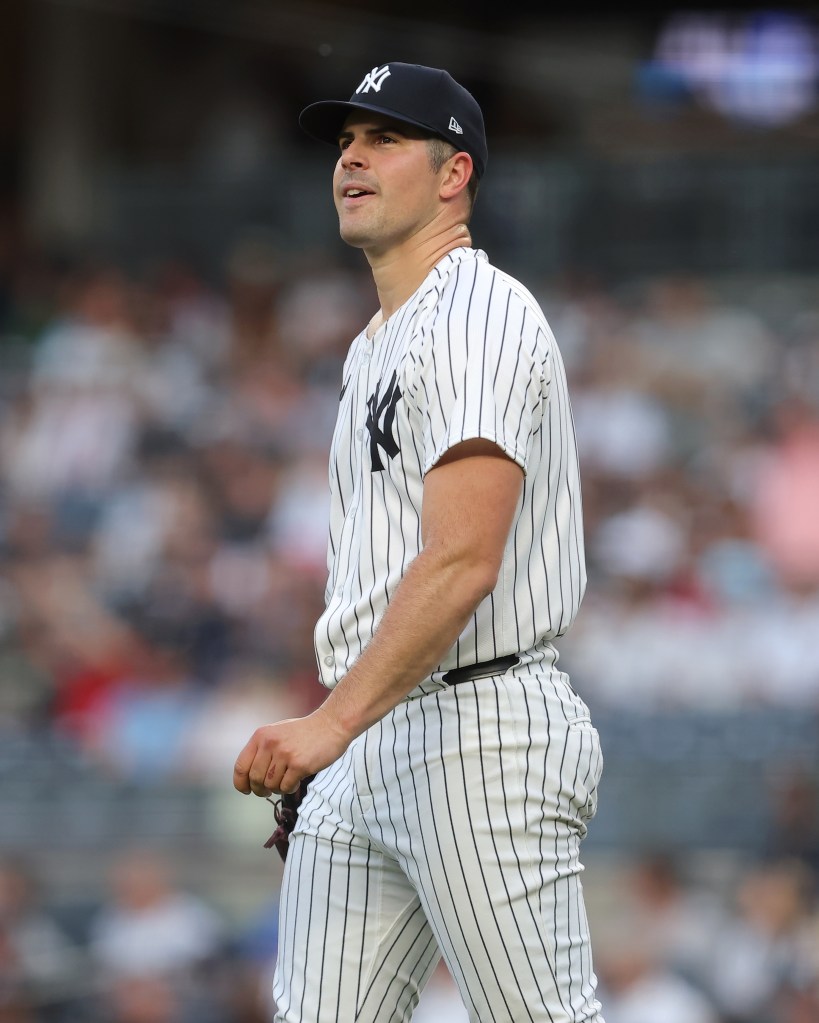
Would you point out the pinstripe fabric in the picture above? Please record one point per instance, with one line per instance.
(472, 356)
(454, 824)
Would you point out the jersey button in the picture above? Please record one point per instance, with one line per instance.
(359, 434)
(329, 659)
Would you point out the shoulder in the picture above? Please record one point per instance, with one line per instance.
(470, 269)
(466, 283)
(505, 284)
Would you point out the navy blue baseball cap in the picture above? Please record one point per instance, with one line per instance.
(426, 97)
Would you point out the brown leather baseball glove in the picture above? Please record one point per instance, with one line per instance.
(286, 812)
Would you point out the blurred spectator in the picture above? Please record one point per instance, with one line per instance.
(249, 694)
(786, 652)
(64, 633)
(73, 433)
(43, 971)
(800, 367)
(149, 925)
(26, 684)
(93, 340)
(142, 722)
(643, 543)
(189, 347)
(768, 950)
(132, 529)
(255, 949)
(242, 481)
(320, 313)
(255, 277)
(623, 429)
(794, 810)
(696, 345)
(143, 1000)
(785, 497)
(679, 920)
(727, 563)
(638, 987)
(298, 522)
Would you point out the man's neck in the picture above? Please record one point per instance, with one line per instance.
(399, 273)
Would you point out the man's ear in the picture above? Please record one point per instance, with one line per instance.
(458, 172)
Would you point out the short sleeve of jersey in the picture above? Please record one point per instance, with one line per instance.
(483, 366)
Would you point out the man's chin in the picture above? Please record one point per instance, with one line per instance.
(356, 239)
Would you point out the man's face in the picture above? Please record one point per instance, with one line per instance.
(384, 187)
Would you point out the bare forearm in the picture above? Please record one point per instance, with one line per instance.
(469, 505)
(424, 619)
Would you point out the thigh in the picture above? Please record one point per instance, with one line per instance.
(354, 943)
(495, 798)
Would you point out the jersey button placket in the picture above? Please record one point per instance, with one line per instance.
(364, 366)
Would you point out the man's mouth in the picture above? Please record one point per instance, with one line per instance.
(355, 192)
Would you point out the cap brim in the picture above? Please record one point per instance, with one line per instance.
(325, 119)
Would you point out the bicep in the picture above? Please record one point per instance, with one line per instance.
(471, 497)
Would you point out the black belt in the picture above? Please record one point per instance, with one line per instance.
(481, 670)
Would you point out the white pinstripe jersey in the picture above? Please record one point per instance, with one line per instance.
(468, 355)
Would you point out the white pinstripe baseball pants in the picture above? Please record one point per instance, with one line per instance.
(452, 826)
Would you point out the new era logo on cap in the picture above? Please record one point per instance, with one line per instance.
(425, 97)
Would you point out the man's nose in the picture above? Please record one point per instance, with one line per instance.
(353, 155)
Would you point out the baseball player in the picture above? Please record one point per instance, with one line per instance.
(455, 767)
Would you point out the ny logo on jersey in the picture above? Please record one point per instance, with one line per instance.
(382, 410)
(374, 79)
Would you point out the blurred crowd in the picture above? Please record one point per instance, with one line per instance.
(163, 448)
(672, 948)
(697, 412)
(678, 952)
(163, 512)
(163, 452)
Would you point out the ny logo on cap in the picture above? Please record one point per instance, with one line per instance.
(374, 79)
